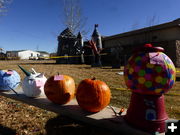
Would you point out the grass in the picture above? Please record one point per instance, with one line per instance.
(120, 98)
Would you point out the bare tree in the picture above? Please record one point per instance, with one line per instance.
(150, 22)
(73, 17)
(135, 25)
(153, 20)
(3, 6)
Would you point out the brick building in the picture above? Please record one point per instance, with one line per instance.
(119, 47)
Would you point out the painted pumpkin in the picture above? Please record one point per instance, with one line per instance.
(149, 71)
(93, 95)
(9, 79)
(60, 89)
(33, 83)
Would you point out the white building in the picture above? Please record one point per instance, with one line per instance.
(43, 55)
(22, 54)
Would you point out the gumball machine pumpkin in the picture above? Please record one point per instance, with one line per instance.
(33, 83)
(149, 73)
(9, 80)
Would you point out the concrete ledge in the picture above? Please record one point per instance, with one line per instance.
(104, 119)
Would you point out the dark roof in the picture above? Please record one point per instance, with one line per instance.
(67, 33)
(16, 51)
(147, 29)
(43, 52)
(95, 32)
(79, 35)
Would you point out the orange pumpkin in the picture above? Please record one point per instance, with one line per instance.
(93, 95)
(60, 91)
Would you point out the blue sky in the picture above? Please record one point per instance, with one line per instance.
(35, 24)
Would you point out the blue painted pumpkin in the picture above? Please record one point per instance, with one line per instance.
(9, 79)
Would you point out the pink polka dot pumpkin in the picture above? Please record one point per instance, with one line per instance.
(150, 72)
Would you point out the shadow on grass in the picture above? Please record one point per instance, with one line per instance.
(6, 131)
(61, 125)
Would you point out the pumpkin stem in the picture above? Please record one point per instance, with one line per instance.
(94, 78)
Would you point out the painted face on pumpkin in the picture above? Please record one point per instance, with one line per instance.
(33, 83)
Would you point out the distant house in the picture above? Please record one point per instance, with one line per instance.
(2, 54)
(22, 54)
(43, 55)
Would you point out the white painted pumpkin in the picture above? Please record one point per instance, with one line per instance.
(33, 84)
